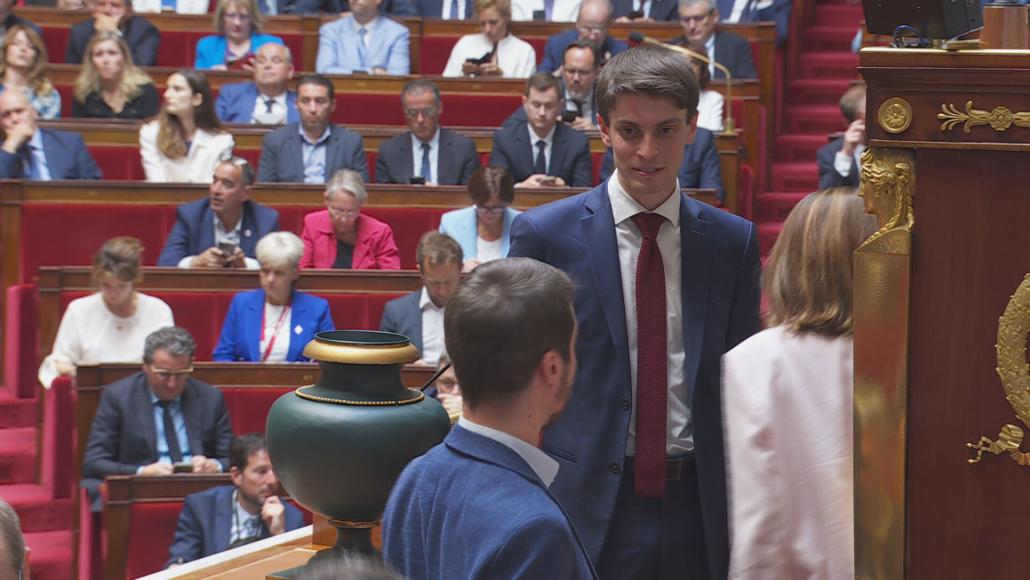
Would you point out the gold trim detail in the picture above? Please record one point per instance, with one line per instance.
(1013, 327)
(887, 185)
(361, 355)
(999, 118)
(300, 393)
(894, 115)
(354, 525)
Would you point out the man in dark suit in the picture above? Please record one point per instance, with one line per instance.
(777, 11)
(664, 286)
(541, 152)
(115, 15)
(438, 156)
(699, 19)
(267, 100)
(223, 229)
(419, 315)
(592, 24)
(645, 10)
(478, 505)
(314, 149)
(838, 159)
(445, 9)
(29, 152)
(700, 168)
(580, 65)
(152, 422)
(227, 516)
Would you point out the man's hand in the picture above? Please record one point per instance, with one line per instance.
(203, 464)
(238, 259)
(581, 124)
(451, 403)
(65, 369)
(379, 71)
(210, 258)
(854, 136)
(273, 513)
(156, 469)
(490, 69)
(18, 136)
(102, 22)
(541, 180)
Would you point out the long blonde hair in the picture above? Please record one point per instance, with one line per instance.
(39, 80)
(133, 79)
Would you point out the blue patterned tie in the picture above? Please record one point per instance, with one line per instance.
(362, 32)
(427, 173)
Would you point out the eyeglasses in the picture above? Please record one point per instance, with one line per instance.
(167, 375)
(344, 213)
(426, 113)
(241, 17)
(695, 19)
(585, 29)
(496, 210)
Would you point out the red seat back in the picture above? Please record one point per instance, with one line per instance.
(21, 331)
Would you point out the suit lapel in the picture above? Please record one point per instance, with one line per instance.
(523, 148)
(298, 313)
(292, 115)
(407, 163)
(416, 297)
(191, 414)
(141, 397)
(332, 151)
(598, 225)
(223, 517)
(445, 158)
(248, 238)
(694, 278)
(55, 163)
(250, 101)
(558, 149)
(296, 152)
(206, 235)
(252, 321)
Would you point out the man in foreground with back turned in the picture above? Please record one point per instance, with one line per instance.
(477, 506)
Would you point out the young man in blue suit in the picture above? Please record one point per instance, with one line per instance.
(700, 168)
(227, 516)
(267, 100)
(29, 152)
(540, 151)
(477, 506)
(592, 24)
(363, 42)
(221, 230)
(664, 286)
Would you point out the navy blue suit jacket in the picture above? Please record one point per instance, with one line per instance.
(205, 524)
(142, 37)
(282, 154)
(456, 160)
(194, 230)
(732, 51)
(828, 176)
(241, 332)
(403, 316)
(720, 294)
(570, 154)
(235, 103)
(554, 50)
(434, 8)
(660, 9)
(700, 168)
(472, 508)
(124, 437)
(66, 158)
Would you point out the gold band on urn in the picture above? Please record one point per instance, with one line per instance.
(999, 118)
(386, 354)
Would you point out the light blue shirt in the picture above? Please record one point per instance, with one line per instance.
(313, 155)
(35, 146)
(244, 524)
(163, 456)
(434, 155)
(710, 50)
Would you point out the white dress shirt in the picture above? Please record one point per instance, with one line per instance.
(446, 12)
(432, 329)
(680, 438)
(563, 11)
(710, 51)
(548, 142)
(281, 348)
(434, 156)
(842, 163)
(232, 236)
(543, 465)
(278, 114)
(710, 111)
(515, 57)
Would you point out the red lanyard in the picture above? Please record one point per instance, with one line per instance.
(275, 334)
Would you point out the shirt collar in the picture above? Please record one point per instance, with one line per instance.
(434, 143)
(710, 43)
(325, 134)
(36, 141)
(370, 26)
(154, 400)
(533, 138)
(542, 464)
(624, 206)
(425, 302)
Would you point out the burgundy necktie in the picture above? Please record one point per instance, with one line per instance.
(652, 361)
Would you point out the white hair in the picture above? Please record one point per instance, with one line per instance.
(347, 181)
(279, 249)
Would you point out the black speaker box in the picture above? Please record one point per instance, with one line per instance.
(936, 19)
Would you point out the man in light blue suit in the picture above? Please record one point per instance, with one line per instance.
(664, 286)
(29, 152)
(363, 42)
(477, 506)
(267, 100)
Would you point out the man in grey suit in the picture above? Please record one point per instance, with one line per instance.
(314, 149)
(427, 152)
(419, 315)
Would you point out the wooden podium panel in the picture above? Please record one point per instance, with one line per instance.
(941, 318)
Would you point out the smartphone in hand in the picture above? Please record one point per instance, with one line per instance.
(182, 467)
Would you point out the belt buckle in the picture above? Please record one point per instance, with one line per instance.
(673, 469)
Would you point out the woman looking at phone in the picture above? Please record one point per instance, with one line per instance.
(494, 51)
(239, 37)
(484, 230)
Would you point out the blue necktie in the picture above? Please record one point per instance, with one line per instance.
(362, 32)
(454, 9)
(171, 437)
(540, 166)
(548, 9)
(426, 171)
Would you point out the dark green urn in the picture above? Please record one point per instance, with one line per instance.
(339, 445)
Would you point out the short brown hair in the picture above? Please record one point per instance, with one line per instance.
(810, 276)
(119, 257)
(543, 82)
(850, 101)
(650, 70)
(437, 248)
(502, 320)
(489, 181)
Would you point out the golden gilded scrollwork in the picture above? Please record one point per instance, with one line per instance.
(888, 181)
(999, 118)
(894, 115)
(1013, 327)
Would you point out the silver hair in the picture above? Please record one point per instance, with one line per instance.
(175, 339)
(347, 181)
(710, 3)
(12, 541)
(289, 53)
(280, 249)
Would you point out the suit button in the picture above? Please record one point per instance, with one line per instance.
(625, 404)
(616, 468)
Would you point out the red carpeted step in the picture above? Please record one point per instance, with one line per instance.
(839, 15)
(767, 234)
(797, 147)
(816, 91)
(775, 206)
(18, 455)
(821, 65)
(51, 557)
(828, 38)
(814, 120)
(803, 177)
(37, 508)
(16, 412)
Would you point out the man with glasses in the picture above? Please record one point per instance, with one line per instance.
(580, 65)
(427, 153)
(592, 24)
(116, 16)
(221, 230)
(267, 100)
(159, 421)
(699, 19)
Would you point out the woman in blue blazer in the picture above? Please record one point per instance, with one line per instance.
(238, 40)
(273, 324)
(484, 230)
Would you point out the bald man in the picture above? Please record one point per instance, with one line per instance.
(29, 152)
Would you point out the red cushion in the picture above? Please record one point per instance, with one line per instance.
(349, 311)
(374, 308)
(478, 110)
(370, 159)
(67, 93)
(368, 109)
(249, 407)
(154, 527)
(21, 332)
(118, 162)
(201, 314)
(408, 223)
(435, 51)
(56, 41)
(59, 438)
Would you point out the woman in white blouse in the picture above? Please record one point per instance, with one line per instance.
(185, 142)
(787, 393)
(111, 325)
(496, 52)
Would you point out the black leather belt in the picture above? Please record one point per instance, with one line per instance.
(675, 467)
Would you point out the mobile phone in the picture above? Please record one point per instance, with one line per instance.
(635, 14)
(182, 467)
(548, 181)
(568, 116)
(228, 248)
(417, 180)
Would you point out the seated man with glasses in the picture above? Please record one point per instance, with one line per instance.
(580, 66)
(221, 230)
(592, 23)
(484, 230)
(699, 19)
(427, 153)
(158, 421)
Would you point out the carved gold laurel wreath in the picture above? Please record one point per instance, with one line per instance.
(999, 118)
(1013, 327)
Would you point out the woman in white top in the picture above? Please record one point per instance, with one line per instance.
(787, 394)
(111, 325)
(484, 230)
(186, 141)
(710, 104)
(497, 52)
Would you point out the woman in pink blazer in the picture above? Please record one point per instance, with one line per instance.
(341, 237)
(787, 395)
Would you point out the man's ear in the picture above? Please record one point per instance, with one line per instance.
(236, 475)
(606, 137)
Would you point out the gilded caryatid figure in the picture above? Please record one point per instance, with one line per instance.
(887, 184)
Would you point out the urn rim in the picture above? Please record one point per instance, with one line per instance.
(368, 347)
